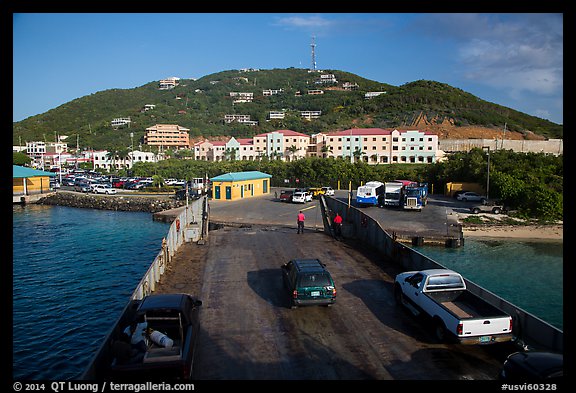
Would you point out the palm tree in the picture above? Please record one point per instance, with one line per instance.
(111, 156)
(292, 150)
(358, 154)
(230, 154)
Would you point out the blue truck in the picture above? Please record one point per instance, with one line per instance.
(415, 196)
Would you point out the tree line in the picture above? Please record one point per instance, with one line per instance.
(529, 183)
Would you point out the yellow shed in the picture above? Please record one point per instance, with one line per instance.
(239, 185)
(27, 181)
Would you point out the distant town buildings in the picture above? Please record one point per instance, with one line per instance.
(168, 83)
(120, 122)
(167, 136)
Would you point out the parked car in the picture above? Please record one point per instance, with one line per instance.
(82, 187)
(533, 366)
(494, 207)
(301, 197)
(328, 191)
(471, 196)
(286, 195)
(103, 189)
(308, 282)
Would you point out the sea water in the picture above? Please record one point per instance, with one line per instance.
(528, 274)
(74, 271)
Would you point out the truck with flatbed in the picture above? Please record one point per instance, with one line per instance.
(456, 313)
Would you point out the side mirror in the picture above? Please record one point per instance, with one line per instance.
(197, 303)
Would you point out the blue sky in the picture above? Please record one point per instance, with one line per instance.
(514, 60)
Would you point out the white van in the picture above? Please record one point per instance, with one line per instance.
(301, 197)
(328, 191)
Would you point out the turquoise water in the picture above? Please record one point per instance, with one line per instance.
(526, 273)
(73, 272)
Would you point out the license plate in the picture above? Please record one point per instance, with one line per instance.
(315, 293)
(485, 339)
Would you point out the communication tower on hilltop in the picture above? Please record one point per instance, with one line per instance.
(313, 45)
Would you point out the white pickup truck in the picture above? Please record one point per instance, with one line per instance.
(456, 313)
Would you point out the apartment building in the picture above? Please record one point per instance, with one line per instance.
(286, 145)
(372, 94)
(371, 145)
(376, 146)
(241, 96)
(242, 119)
(233, 149)
(167, 136)
(276, 115)
(309, 115)
(120, 121)
(103, 160)
(168, 83)
(271, 92)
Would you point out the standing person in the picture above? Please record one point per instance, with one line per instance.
(338, 225)
(301, 218)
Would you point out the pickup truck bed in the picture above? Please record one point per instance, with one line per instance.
(464, 305)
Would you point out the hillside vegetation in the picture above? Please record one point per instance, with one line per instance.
(201, 104)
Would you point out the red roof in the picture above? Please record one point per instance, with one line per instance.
(285, 132)
(361, 131)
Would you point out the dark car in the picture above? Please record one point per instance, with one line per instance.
(175, 317)
(82, 187)
(286, 195)
(533, 366)
(308, 282)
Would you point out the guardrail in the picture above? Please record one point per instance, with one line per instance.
(528, 329)
(191, 215)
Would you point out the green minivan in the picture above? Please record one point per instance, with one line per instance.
(308, 282)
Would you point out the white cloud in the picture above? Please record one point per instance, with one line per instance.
(520, 54)
(306, 22)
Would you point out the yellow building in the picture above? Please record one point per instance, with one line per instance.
(28, 181)
(240, 185)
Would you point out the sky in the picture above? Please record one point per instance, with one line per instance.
(512, 59)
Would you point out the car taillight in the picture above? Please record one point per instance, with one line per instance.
(459, 329)
(510, 326)
(334, 291)
(295, 293)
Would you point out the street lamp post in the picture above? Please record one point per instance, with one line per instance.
(488, 174)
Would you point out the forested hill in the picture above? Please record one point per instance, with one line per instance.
(200, 105)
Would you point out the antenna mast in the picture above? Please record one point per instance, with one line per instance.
(313, 45)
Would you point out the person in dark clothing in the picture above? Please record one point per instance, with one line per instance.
(300, 222)
(123, 351)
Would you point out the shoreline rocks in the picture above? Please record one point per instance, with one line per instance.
(148, 204)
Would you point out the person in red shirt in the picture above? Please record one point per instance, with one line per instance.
(338, 225)
(300, 221)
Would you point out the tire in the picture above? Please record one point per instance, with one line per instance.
(398, 296)
(496, 210)
(440, 330)
(475, 210)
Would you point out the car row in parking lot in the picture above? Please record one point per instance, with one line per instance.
(303, 195)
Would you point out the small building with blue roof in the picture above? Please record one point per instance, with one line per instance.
(239, 185)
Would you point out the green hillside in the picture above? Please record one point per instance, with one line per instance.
(201, 104)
